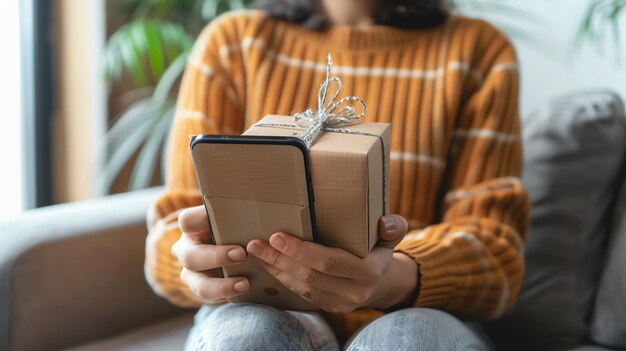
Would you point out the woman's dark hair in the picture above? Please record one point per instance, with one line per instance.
(408, 14)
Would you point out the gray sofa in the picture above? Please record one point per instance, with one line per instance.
(71, 276)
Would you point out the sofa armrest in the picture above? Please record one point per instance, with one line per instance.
(73, 273)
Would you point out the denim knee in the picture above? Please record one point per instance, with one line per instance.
(245, 327)
(417, 329)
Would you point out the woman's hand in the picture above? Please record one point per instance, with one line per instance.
(336, 280)
(201, 261)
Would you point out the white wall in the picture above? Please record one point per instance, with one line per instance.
(550, 62)
(10, 118)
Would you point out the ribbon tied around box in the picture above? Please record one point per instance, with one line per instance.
(333, 116)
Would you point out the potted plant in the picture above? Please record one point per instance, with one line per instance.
(151, 49)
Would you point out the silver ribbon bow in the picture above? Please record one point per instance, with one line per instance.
(327, 118)
(329, 115)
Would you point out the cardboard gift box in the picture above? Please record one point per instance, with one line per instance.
(350, 176)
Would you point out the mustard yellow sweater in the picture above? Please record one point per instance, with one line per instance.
(451, 94)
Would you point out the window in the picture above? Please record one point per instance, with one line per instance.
(11, 186)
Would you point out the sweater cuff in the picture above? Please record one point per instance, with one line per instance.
(457, 272)
(162, 269)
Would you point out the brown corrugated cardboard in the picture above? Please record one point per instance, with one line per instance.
(251, 192)
(348, 173)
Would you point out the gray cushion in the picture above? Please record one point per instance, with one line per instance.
(574, 148)
(168, 335)
(609, 319)
(73, 273)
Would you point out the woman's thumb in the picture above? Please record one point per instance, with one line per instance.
(194, 223)
(391, 230)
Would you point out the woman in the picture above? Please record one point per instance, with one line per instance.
(449, 86)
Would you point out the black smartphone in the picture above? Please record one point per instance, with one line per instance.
(252, 187)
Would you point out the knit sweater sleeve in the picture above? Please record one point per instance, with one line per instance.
(209, 102)
(471, 262)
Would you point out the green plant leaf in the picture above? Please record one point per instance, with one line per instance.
(601, 16)
(143, 8)
(236, 4)
(165, 7)
(149, 155)
(213, 8)
(130, 49)
(136, 115)
(175, 42)
(140, 43)
(155, 50)
(586, 26)
(123, 153)
(158, 37)
(209, 9)
(614, 15)
(171, 75)
(112, 66)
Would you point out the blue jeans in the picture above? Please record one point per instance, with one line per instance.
(244, 327)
